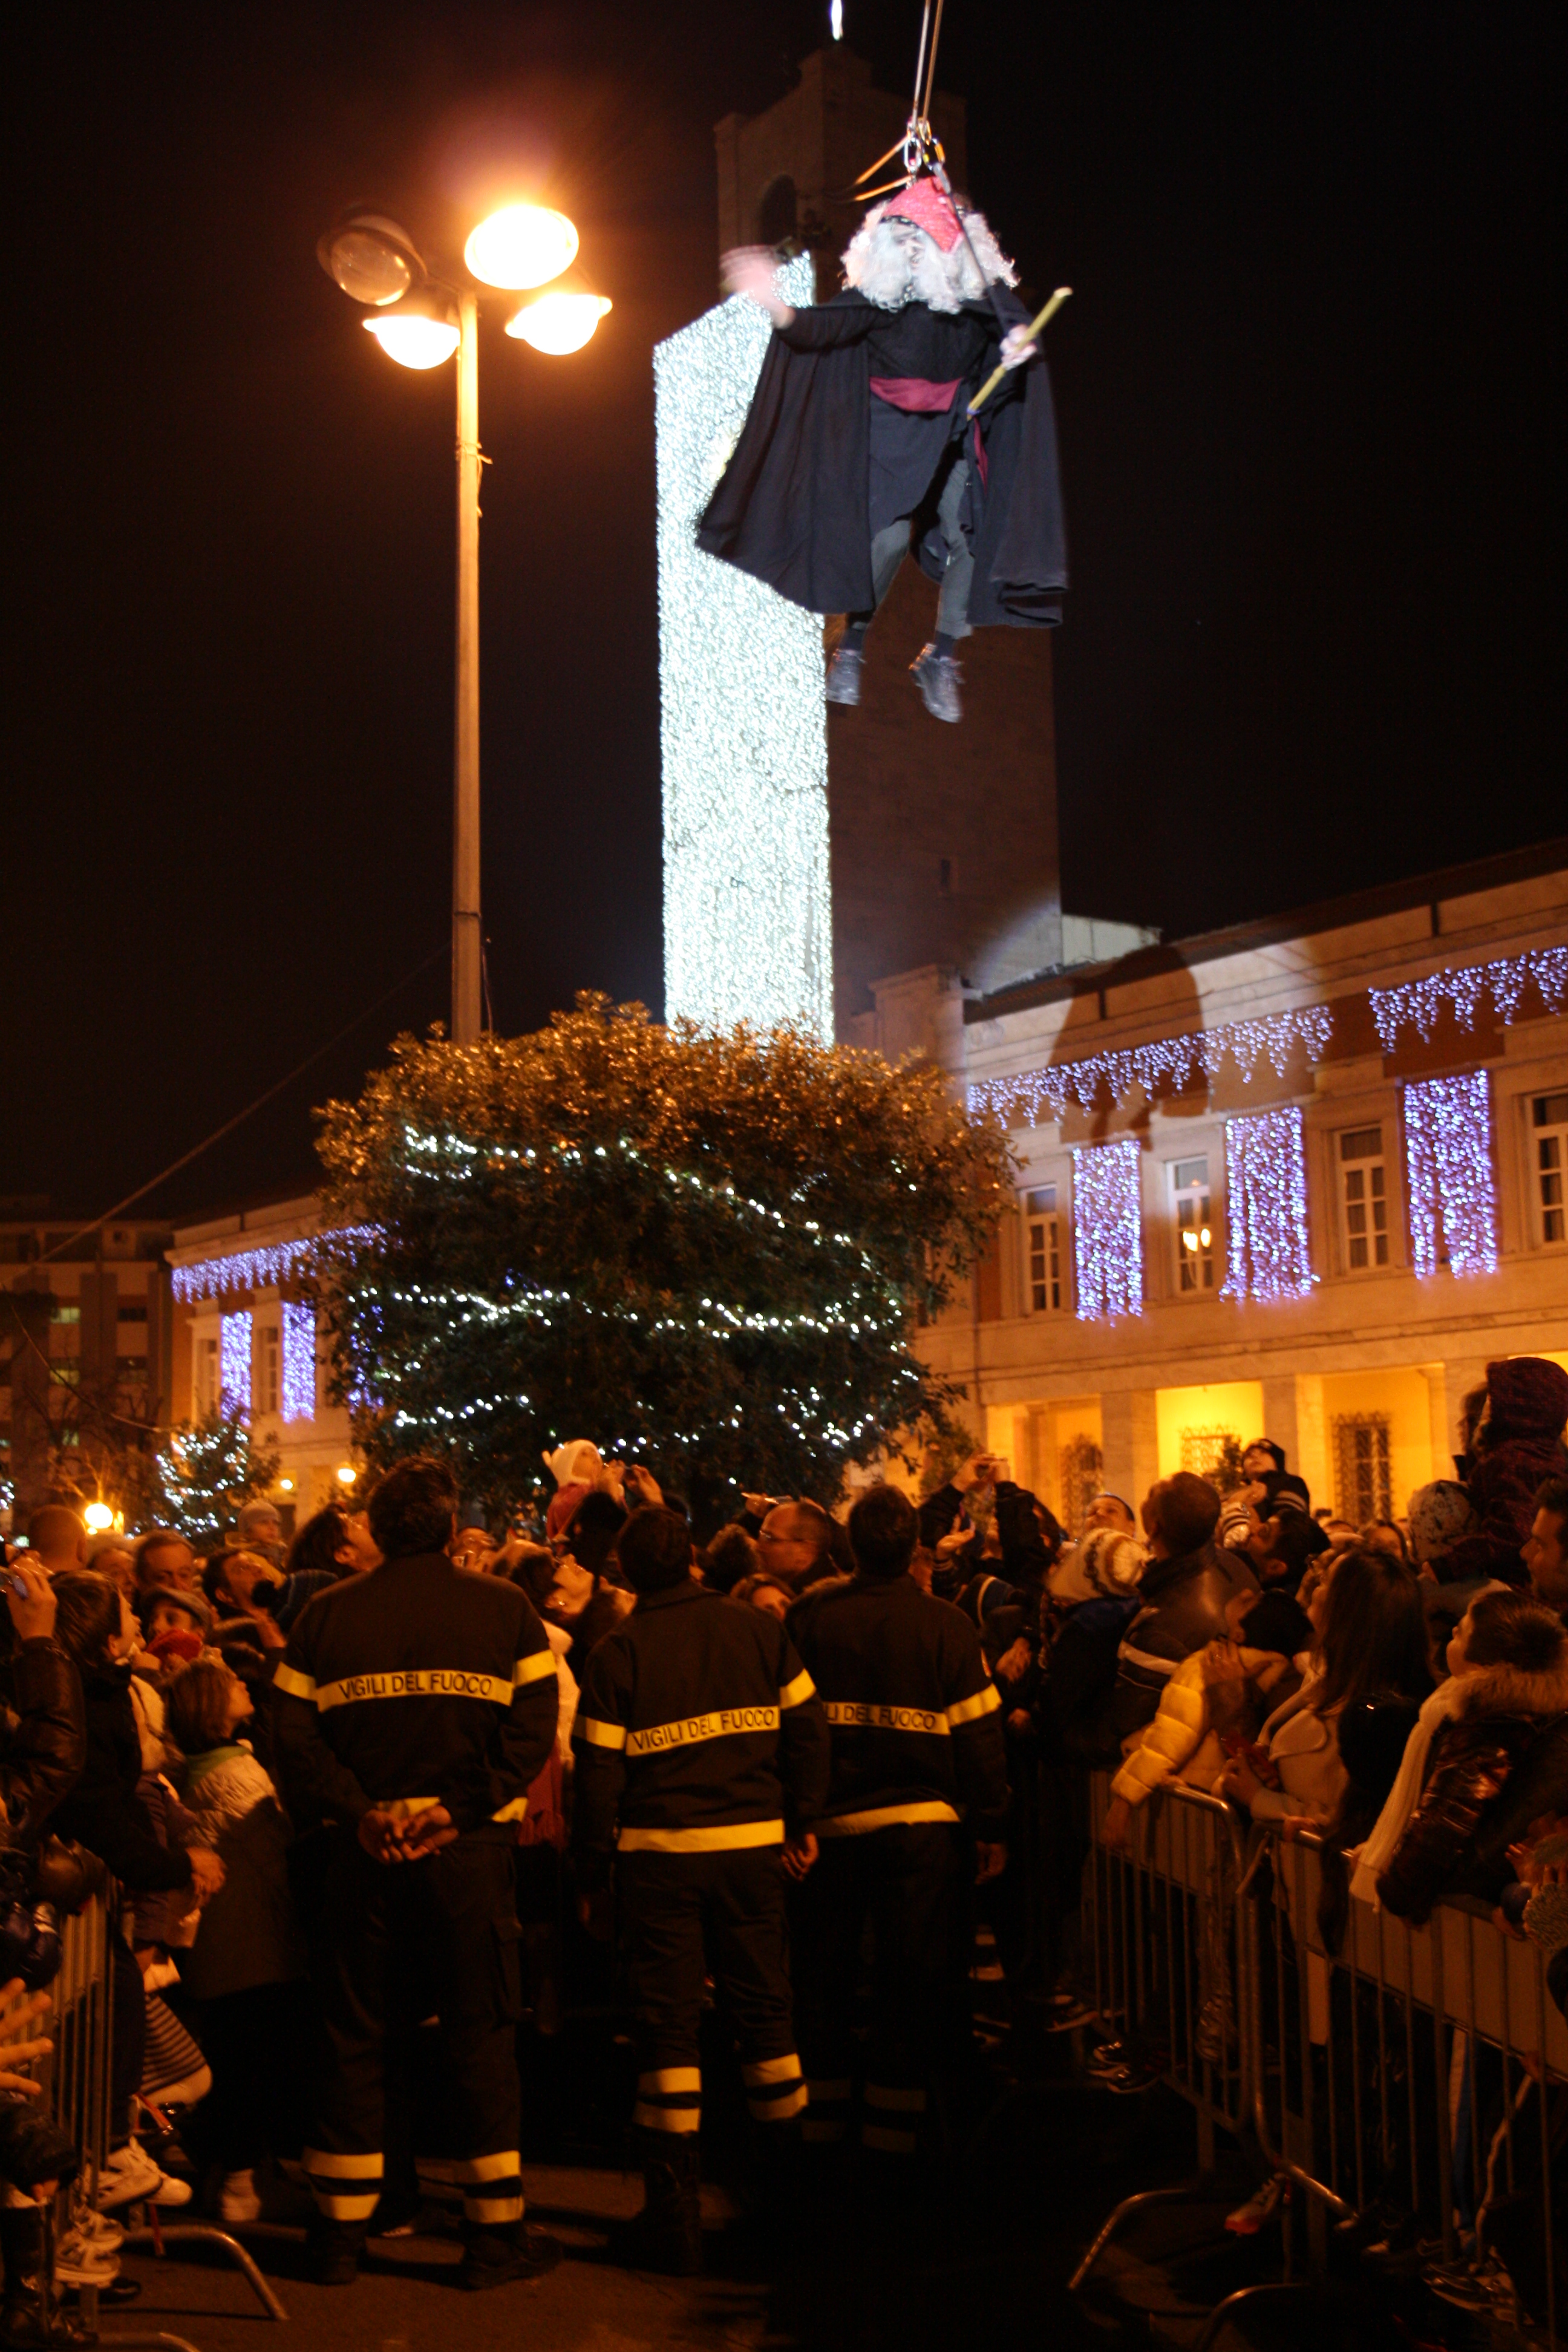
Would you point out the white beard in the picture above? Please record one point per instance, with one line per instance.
(879, 264)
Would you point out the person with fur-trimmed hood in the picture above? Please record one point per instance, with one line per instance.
(858, 446)
(1488, 1756)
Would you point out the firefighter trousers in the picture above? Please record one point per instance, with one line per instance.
(906, 1882)
(684, 1915)
(393, 1943)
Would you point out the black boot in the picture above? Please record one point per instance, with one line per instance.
(334, 2249)
(30, 2321)
(496, 2257)
(667, 2235)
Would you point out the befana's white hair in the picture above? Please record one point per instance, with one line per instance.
(890, 272)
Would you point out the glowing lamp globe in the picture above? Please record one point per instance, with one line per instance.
(559, 323)
(413, 338)
(97, 1518)
(521, 246)
(347, 1473)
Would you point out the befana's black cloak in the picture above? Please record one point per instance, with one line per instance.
(792, 507)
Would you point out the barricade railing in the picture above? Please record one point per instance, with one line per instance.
(77, 2081)
(1410, 2081)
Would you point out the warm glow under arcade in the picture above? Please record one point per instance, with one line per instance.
(521, 246)
(414, 342)
(559, 323)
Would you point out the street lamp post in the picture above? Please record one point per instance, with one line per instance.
(419, 323)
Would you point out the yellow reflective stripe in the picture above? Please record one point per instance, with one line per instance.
(505, 2167)
(669, 2119)
(723, 1840)
(873, 1717)
(724, 1723)
(599, 1735)
(347, 2209)
(984, 1702)
(493, 2209)
(797, 1692)
(341, 2168)
(415, 1682)
(671, 2078)
(533, 1668)
(779, 2108)
(772, 2070)
(897, 2101)
(883, 1817)
(298, 1686)
(891, 2143)
(513, 1812)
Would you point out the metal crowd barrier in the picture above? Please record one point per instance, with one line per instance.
(1411, 2082)
(76, 2077)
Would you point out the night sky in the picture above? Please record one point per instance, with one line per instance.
(1309, 415)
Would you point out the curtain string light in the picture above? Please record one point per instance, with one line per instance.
(1449, 1172)
(1269, 1254)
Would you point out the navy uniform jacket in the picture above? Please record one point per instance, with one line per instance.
(697, 1732)
(915, 1718)
(419, 1683)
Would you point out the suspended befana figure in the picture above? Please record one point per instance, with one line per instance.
(859, 446)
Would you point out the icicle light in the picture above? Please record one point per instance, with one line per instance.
(1449, 1172)
(1045, 1093)
(1418, 1002)
(1108, 1232)
(1268, 1256)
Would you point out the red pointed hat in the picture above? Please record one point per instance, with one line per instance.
(923, 203)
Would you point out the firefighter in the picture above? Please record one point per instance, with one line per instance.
(700, 1747)
(415, 1705)
(918, 1783)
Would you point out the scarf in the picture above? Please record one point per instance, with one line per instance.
(1374, 1856)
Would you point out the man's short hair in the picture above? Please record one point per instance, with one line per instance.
(411, 1507)
(151, 1542)
(1552, 1494)
(809, 1523)
(55, 1527)
(883, 1529)
(655, 1550)
(1184, 1510)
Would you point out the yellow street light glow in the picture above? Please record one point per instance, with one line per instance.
(559, 323)
(347, 1473)
(286, 1485)
(99, 1518)
(413, 341)
(521, 246)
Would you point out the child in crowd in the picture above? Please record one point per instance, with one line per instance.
(1215, 1699)
(247, 1966)
(1502, 1713)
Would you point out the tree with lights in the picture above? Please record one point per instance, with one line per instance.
(708, 1253)
(208, 1469)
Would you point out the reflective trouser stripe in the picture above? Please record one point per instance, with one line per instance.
(346, 2188)
(779, 2105)
(896, 2099)
(771, 2070)
(668, 2119)
(660, 2079)
(494, 2211)
(890, 2142)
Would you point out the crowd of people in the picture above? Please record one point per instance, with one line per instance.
(403, 1785)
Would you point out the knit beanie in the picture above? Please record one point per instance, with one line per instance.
(1441, 1514)
(1106, 1564)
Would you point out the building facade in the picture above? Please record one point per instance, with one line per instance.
(85, 1351)
(1302, 1178)
(241, 1336)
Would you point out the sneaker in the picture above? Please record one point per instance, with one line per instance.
(937, 675)
(170, 2191)
(1260, 2207)
(96, 2228)
(236, 2197)
(78, 2262)
(1486, 2287)
(126, 2175)
(844, 676)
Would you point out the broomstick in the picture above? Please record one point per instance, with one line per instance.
(995, 378)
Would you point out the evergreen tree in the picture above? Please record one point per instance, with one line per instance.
(208, 1469)
(708, 1253)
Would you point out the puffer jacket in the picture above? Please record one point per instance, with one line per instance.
(1182, 1609)
(1496, 1767)
(1522, 1446)
(1183, 1742)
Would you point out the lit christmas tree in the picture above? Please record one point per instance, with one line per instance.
(707, 1253)
(208, 1469)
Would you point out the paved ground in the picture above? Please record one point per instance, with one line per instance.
(984, 2264)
